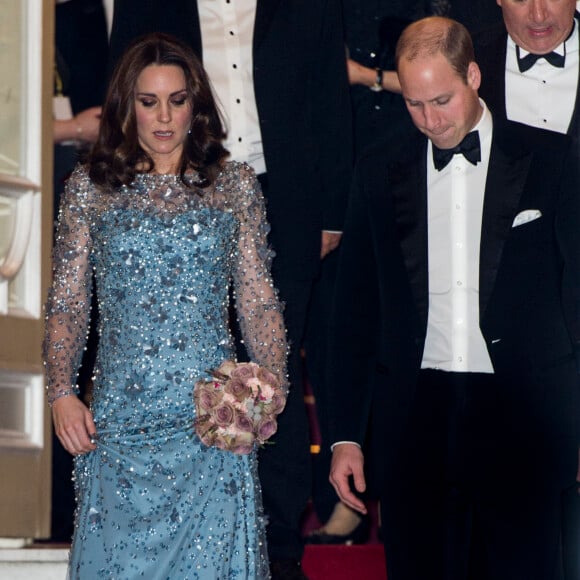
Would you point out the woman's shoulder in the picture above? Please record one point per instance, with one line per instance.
(240, 183)
(237, 170)
(80, 179)
(79, 173)
(79, 186)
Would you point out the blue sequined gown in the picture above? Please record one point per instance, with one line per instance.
(153, 502)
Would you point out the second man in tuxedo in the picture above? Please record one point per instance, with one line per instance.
(530, 64)
(457, 252)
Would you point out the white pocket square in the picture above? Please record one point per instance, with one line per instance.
(528, 215)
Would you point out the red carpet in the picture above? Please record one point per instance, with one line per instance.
(359, 562)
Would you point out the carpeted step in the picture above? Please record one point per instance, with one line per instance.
(358, 562)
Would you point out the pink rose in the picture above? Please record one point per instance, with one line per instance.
(266, 428)
(226, 368)
(244, 423)
(208, 396)
(244, 371)
(265, 376)
(224, 414)
(276, 405)
(237, 389)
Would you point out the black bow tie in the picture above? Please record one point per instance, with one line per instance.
(527, 62)
(469, 148)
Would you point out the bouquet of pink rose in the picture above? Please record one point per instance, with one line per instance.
(238, 406)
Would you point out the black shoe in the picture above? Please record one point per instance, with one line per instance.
(359, 535)
(287, 569)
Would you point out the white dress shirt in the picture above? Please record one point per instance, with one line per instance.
(227, 32)
(544, 96)
(455, 208)
(455, 195)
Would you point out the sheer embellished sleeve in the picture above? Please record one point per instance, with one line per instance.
(69, 298)
(259, 310)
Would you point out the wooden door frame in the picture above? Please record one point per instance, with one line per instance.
(25, 483)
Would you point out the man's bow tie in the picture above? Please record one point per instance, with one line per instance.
(527, 62)
(469, 148)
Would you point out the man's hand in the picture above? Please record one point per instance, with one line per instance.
(89, 122)
(74, 425)
(347, 460)
(84, 127)
(330, 241)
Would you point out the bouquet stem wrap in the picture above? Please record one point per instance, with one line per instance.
(238, 406)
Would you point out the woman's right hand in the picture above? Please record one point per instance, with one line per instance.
(74, 425)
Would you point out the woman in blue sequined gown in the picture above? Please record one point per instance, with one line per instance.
(164, 226)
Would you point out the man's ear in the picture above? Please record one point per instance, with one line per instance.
(473, 76)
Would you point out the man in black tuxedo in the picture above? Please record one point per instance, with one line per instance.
(530, 68)
(458, 250)
(530, 62)
(279, 70)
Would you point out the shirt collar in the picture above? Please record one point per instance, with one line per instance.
(485, 123)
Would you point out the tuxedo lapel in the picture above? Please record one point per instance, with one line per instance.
(493, 63)
(506, 178)
(408, 186)
(265, 11)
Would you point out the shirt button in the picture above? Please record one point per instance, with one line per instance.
(459, 283)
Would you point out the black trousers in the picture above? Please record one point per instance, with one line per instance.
(453, 506)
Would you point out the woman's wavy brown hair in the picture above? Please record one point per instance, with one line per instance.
(117, 153)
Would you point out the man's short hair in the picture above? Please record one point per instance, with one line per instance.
(433, 35)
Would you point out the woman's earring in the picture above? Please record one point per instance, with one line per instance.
(189, 132)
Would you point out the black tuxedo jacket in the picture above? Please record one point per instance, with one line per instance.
(301, 92)
(81, 51)
(490, 54)
(381, 303)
